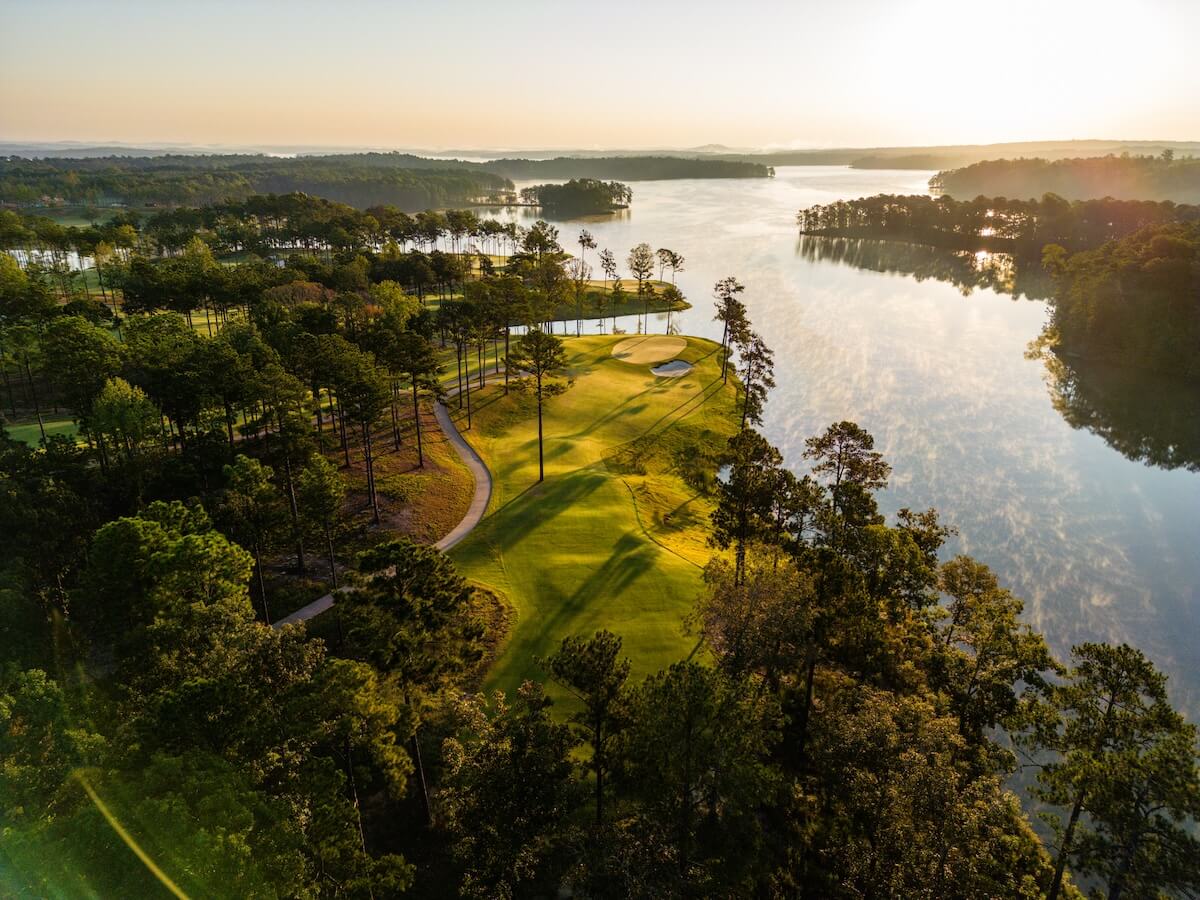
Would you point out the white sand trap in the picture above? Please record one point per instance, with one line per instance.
(673, 369)
(642, 351)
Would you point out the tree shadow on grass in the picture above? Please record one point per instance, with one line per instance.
(695, 400)
(640, 444)
(630, 558)
(539, 503)
(622, 409)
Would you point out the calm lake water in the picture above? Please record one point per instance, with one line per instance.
(1100, 544)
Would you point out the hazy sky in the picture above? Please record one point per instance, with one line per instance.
(528, 73)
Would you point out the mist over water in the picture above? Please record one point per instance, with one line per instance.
(1099, 545)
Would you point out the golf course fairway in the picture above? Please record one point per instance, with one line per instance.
(615, 537)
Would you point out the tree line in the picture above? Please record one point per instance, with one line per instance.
(1124, 177)
(262, 225)
(990, 222)
(1133, 301)
(195, 181)
(327, 255)
(359, 179)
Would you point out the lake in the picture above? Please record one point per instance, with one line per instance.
(1097, 527)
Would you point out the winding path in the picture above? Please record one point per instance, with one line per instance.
(479, 504)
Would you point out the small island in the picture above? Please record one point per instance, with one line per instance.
(579, 197)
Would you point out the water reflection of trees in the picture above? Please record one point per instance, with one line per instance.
(1149, 418)
(527, 214)
(964, 269)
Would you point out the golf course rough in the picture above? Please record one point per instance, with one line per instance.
(614, 537)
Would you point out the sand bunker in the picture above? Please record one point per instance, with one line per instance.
(673, 369)
(649, 349)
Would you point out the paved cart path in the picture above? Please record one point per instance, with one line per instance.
(475, 512)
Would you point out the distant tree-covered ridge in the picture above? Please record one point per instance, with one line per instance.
(579, 196)
(360, 180)
(1135, 301)
(950, 156)
(1123, 177)
(992, 223)
(628, 168)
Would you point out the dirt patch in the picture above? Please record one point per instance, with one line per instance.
(420, 503)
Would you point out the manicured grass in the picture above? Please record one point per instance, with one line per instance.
(631, 305)
(593, 291)
(84, 215)
(614, 538)
(29, 433)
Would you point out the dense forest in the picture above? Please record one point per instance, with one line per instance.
(847, 730)
(579, 196)
(360, 180)
(260, 225)
(996, 223)
(1123, 177)
(1134, 301)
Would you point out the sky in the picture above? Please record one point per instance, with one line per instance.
(652, 73)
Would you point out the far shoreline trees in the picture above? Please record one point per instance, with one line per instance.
(1123, 177)
(990, 223)
(1134, 301)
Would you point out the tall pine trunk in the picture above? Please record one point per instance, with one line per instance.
(37, 407)
(1064, 849)
(262, 583)
(417, 422)
(541, 457)
(368, 458)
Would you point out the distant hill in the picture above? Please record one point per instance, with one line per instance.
(954, 156)
(363, 179)
(627, 168)
(1120, 177)
(620, 164)
(176, 180)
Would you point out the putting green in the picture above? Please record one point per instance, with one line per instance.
(650, 348)
(613, 538)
